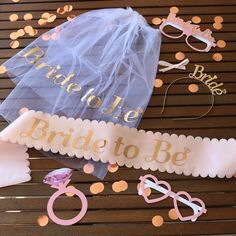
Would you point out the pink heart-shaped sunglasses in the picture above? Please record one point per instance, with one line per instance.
(196, 204)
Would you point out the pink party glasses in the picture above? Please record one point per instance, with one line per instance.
(150, 181)
(190, 30)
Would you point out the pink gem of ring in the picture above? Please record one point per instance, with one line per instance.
(59, 179)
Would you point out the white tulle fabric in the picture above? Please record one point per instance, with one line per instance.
(112, 51)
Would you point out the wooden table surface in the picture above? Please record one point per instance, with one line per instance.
(126, 213)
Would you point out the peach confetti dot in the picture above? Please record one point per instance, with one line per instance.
(157, 221)
(15, 1)
(51, 18)
(193, 88)
(174, 10)
(71, 17)
(70, 194)
(147, 191)
(112, 168)
(196, 19)
(54, 36)
(68, 8)
(28, 16)
(42, 220)
(14, 44)
(158, 83)
(221, 43)
(13, 17)
(23, 110)
(88, 168)
(33, 32)
(45, 37)
(28, 28)
(156, 21)
(172, 214)
(13, 35)
(20, 32)
(45, 15)
(3, 69)
(217, 56)
(96, 188)
(218, 19)
(180, 56)
(120, 186)
(61, 11)
(42, 22)
(217, 26)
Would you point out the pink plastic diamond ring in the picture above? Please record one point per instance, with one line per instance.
(64, 175)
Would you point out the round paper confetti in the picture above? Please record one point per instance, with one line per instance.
(96, 188)
(45, 37)
(217, 56)
(51, 18)
(172, 214)
(217, 26)
(33, 32)
(156, 21)
(147, 191)
(42, 220)
(218, 19)
(158, 83)
(54, 36)
(112, 168)
(71, 17)
(193, 88)
(221, 43)
(157, 221)
(13, 17)
(14, 44)
(15, 0)
(119, 186)
(13, 35)
(3, 69)
(69, 194)
(88, 168)
(28, 16)
(20, 32)
(68, 8)
(45, 15)
(180, 56)
(61, 11)
(174, 10)
(42, 22)
(23, 110)
(28, 28)
(196, 19)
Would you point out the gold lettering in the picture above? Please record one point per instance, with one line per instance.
(114, 105)
(86, 139)
(66, 137)
(65, 79)
(117, 146)
(179, 157)
(158, 150)
(33, 53)
(97, 146)
(52, 70)
(73, 88)
(198, 69)
(219, 91)
(39, 127)
(129, 115)
(97, 104)
(135, 153)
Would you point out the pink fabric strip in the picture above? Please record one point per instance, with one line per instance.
(107, 142)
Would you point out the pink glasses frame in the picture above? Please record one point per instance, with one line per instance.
(188, 29)
(175, 196)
